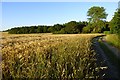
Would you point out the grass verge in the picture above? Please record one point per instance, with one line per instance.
(113, 39)
(111, 56)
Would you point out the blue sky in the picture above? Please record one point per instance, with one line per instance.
(48, 13)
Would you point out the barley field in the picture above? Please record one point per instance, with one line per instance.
(48, 56)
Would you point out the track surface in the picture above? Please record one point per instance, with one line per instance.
(111, 71)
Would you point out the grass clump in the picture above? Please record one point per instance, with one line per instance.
(113, 39)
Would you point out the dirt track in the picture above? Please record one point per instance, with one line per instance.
(115, 50)
(111, 72)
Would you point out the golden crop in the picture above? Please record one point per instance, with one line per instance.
(47, 56)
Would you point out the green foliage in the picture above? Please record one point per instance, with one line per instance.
(62, 31)
(99, 27)
(68, 28)
(45, 30)
(115, 23)
(106, 32)
(106, 27)
(58, 27)
(39, 29)
(87, 29)
(96, 13)
(55, 28)
(32, 30)
(96, 16)
(81, 25)
(113, 39)
(71, 27)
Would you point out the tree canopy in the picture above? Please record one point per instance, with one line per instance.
(115, 23)
(67, 28)
(96, 13)
(97, 16)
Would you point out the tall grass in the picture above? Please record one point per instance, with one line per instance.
(113, 39)
(48, 57)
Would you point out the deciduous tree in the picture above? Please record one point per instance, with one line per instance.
(97, 15)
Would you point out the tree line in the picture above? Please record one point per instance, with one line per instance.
(67, 28)
(115, 23)
(71, 27)
(96, 24)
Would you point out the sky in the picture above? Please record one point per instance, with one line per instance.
(16, 14)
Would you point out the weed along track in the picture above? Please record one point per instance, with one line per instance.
(107, 59)
(58, 57)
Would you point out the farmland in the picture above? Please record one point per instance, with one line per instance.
(47, 41)
(46, 56)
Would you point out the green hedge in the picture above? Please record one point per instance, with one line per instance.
(106, 32)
